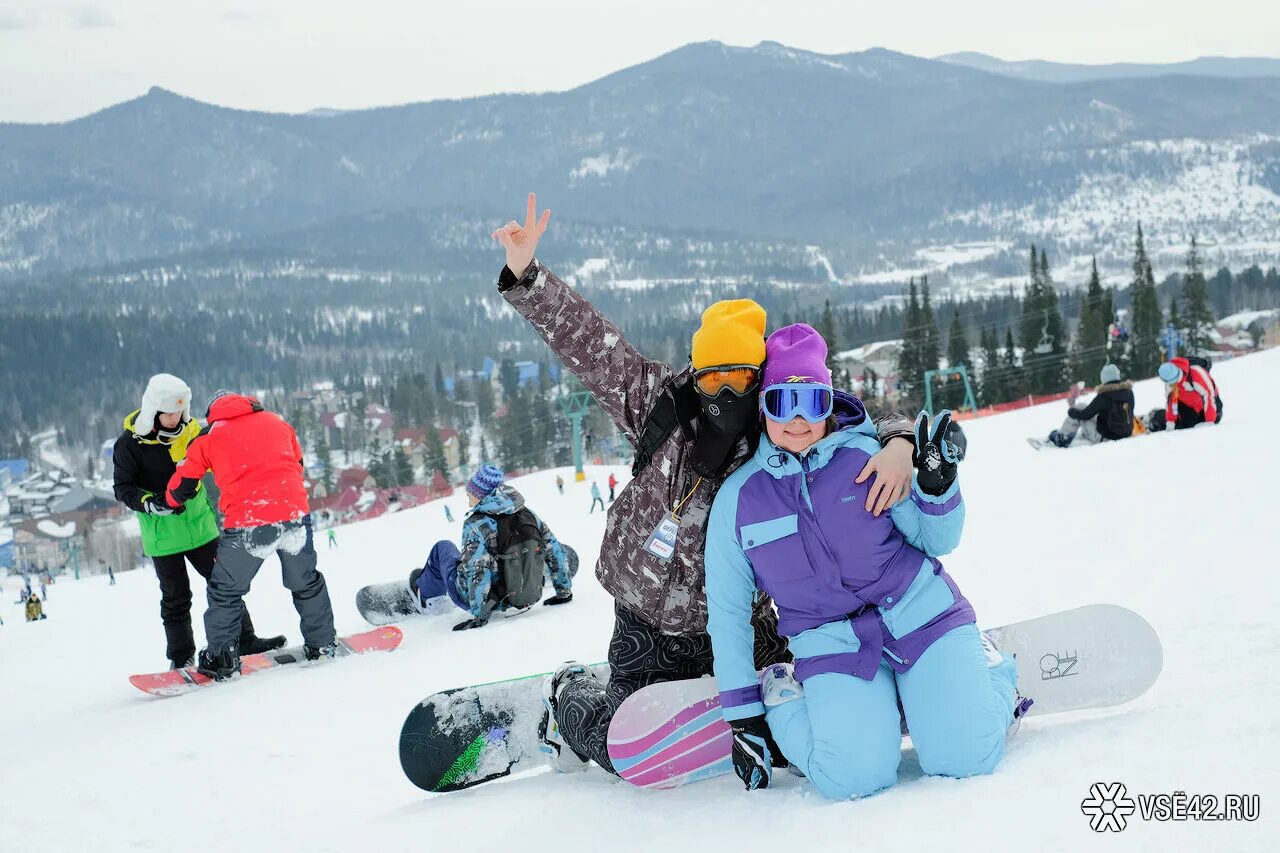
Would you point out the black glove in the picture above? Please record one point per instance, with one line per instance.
(470, 623)
(559, 598)
(938, 448)
(754, 752)
(159, 506)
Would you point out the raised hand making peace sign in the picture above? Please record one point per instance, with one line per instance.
(520, 241)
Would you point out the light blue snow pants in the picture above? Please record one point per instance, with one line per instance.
(845, 733)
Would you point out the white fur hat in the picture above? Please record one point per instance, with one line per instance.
(165, 393)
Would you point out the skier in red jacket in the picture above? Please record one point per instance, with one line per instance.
(1193, 395)
(257, 463)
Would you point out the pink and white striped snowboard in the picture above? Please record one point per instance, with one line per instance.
(671, 734)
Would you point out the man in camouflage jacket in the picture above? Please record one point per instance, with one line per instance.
(661, 607)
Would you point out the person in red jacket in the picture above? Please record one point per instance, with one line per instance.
(257, 463)
(1193, 395)
(613, 484)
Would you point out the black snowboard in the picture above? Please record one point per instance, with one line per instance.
(469, 735)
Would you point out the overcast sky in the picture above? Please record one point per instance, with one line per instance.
(62, 59)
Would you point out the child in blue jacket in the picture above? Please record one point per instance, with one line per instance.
(873, 618)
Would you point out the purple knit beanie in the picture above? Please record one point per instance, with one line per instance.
(795, 353)
(484, 481)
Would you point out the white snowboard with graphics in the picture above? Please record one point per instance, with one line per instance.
(670, 734)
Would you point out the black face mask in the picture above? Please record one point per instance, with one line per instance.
(723, 421)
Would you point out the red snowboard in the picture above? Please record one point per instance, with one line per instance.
(177, 681)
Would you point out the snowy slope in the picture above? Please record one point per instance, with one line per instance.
(305, 759)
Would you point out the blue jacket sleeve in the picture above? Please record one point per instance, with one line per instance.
(476, 566)
(932, 524)
(731, 588)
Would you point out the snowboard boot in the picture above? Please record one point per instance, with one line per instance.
(220, 666)
(254, 645)
(778, 685)
(182, 664)
(328, 651)
(560, 755)
(427, 606)
(1060, 439)
(995, 657)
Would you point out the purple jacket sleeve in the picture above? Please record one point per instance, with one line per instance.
(623, 382)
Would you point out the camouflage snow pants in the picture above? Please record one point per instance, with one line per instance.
(639, 656)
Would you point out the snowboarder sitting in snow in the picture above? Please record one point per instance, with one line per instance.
(872, 617)
(1193, 396)
(1108, 417)
(35, 610)
(506, 551)
(257, 463)
(147, 452)
(691, 428)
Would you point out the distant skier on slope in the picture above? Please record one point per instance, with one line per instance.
(507, 551)
(147, 452)
(333, 539)
(595, 497)
(690, 428)
(1108, 417)
(613, 485)
(1193, 396)
(873, 618)
(257, 463)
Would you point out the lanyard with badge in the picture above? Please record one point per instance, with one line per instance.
(662, 541)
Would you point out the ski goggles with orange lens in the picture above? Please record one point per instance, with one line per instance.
(738, 378)
(809, 400)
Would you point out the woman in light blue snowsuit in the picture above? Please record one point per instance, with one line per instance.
(872, 617)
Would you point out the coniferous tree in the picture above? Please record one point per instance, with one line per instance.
(826, 327)
(931, 342)
(325, 454)
(402, 467)
(957, 354)
(435, 460)
(509, 378)
(909, 359)
(1197, 312)
(1175, 322)
(1093, 332)
(1043, 332)
(1014, 382)
(1144, 331)
(989, 387)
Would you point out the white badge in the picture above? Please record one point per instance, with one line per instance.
(662, 541)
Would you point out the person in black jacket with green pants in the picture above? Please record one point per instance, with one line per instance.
(154, 441)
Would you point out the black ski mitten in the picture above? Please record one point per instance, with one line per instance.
(939, 447)
(754, 752)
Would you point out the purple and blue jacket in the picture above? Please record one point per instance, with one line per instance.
(853, 591)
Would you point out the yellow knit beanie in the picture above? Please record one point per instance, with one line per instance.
(732, 332)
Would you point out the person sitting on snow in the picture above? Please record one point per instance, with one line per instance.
(506, 552)
(35, 610)
(1108, 417)
(1193, 396)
